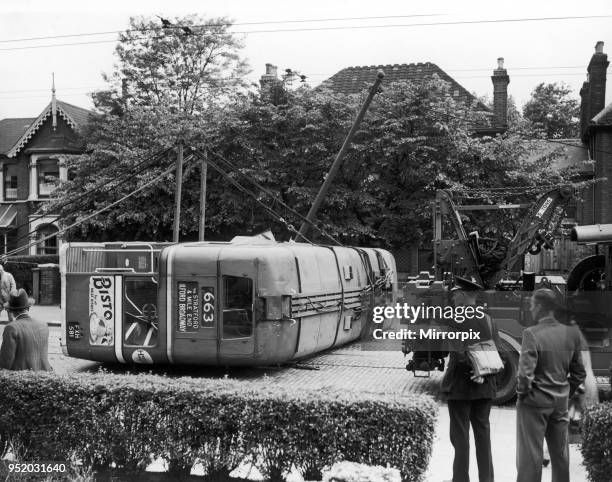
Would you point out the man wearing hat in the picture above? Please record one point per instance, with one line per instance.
(469, 399)
(25, 341)
(550, 371)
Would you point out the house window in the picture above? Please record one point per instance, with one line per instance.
(10, 182)
(48, 175)
(48, 245)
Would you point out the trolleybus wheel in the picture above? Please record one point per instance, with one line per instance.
(506, 380)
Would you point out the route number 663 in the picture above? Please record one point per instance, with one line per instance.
(208, 306)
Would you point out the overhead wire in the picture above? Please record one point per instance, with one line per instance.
(224, 24)
(331, 28)
(276, 199)
(90, 216)
(130, 172)
(244, 190)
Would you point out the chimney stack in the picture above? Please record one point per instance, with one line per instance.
(500, 95)
(270, 77)
(593, 92)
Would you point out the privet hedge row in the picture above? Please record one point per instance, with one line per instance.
(129, 420)
(597, 442)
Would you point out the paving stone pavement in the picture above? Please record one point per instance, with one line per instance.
(347, 369)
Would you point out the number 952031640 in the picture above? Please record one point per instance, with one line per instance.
(36, 468)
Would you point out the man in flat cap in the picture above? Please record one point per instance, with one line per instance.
(469, 399)
(550, 371)
(25, 341)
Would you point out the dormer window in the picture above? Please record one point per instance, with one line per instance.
(48, 176)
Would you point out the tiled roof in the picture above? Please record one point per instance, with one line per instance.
(604, 117)
(11, 130)
(569, 153)
(76, 117)
(355, 79)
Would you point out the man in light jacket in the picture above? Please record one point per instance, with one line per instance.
(7, 285)
(550, 371)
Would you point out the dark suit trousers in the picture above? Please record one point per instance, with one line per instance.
(462, 414)
(533, 425)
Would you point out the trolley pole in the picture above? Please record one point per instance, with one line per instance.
(203, 173)
(333, 170)
(178, 194)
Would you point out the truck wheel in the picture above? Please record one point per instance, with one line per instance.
(587, 273)
(506, 380)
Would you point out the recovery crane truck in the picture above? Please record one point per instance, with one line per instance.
(506, 288)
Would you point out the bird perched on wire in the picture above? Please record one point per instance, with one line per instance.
(165, 22)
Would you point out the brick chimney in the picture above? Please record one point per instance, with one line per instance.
(593, 92)
(270, 77)
(500, 95)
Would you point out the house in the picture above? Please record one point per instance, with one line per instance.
(33, 155)
(591, 157)
(596, 135)
(352, 80)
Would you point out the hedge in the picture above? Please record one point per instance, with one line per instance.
(597, 442)
(21, 268)
(126, 421)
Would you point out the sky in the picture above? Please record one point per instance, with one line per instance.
(326, 36)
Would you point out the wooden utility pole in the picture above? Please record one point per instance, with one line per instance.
(178, 193)
(203, 173)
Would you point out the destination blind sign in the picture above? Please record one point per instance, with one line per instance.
(188, 303)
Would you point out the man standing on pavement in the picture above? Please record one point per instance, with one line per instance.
(25, 341)
(7, 285)
(469, 400)
(550, 371)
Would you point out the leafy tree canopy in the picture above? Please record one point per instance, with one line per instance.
(187, 68)
(553, 110)
(414, 140)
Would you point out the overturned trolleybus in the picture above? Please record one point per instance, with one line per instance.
(250, 301)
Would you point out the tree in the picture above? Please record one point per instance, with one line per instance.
(167, 86)
(187, 67)
(414, 140)
(552, 110)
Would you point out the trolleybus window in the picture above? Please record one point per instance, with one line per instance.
(237, 307)
(140, 322)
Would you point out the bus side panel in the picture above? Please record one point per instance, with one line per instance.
(354, 279)
(86, 335)
(311, 283)
(330, 283)
(276, 341)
